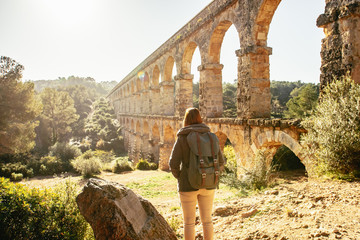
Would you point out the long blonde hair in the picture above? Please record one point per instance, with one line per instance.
(192, 116)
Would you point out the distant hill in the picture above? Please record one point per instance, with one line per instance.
(102, 88)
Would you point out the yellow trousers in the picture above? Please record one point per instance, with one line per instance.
(205, 199)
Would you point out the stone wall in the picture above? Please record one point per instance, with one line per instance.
(340, 51)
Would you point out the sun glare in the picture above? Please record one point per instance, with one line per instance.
(69, 13)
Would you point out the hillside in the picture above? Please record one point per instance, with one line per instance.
(296, 208)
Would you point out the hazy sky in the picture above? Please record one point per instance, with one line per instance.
(106, 39)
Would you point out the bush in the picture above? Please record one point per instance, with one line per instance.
(16, 177)
(65, 153)
(50, 165)
(104, 156)
(153, 166)
(333, 138)
(229, 177)
(87, 164)
(121, 165)
(229, 156)
(39, 214)
(143, 165)
(8, 169)
(260, 176)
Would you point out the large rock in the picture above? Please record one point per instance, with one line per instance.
(116, 212)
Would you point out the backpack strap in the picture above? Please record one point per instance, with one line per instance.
(203, 172)
(216, 162)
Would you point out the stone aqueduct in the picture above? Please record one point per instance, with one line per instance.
(150, 103)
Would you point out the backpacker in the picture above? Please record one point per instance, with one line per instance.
(203, 170)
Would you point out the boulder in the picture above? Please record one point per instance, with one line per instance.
(116, 212)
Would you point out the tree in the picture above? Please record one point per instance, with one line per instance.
(83, 98)
(229, 100)
(102, 128)
(58, 114)
(18, 109)
(303, 101)
(280, 95)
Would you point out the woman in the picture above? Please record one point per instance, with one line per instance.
(189, 196)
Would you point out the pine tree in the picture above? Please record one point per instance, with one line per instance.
(58, 114)
(18, 109)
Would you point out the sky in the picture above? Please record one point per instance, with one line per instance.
(107, 39)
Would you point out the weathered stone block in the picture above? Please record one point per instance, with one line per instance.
(115, 212)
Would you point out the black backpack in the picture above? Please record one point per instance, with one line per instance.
(203, 170)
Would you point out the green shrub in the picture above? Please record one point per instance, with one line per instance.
(121, 165)
(50, 165)
(7, 169)
(229, 156)
(260, 176)
(104, 156)
(153, 166)
(87, 164)
(39, 214)
(333, 138)
(16, 177)
(65, 153)
(143, 165)
(229, 176)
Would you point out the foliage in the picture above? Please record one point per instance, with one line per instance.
(196, 94)
(230, 177)
(40, 214)
(104, 156)
(83, 98)
(50, 165)
(280, 95)
(143, 164)
(87, 164)
(122, 165)
(333, 138)
(229, 100)
(58, 114)
(260, 176)
(229, 155)
(8, 169)
(65, 152)
(100, 89)
(103, 129)
(303, 101)
(18, 109)
(174, 222)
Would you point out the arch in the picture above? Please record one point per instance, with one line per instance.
(138, 127)
(146, 129)
(155, 76)
(138, 85)
(155, 133)
(169, 135)
(146, 81)
(276, 139)
(132, 87)
(132, 125)
(168, 69)
(187, 58)
(263, 20)
(217, 39)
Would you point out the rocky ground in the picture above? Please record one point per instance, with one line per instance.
(296, 208)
